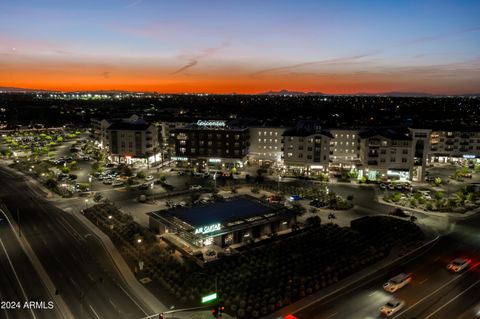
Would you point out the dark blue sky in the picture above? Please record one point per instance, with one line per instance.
(241, 46)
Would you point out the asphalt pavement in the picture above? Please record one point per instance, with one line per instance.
(73, 258)
(19, 284)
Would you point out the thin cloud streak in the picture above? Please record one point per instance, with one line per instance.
(134, 4)
(194, 61)
(348, 59)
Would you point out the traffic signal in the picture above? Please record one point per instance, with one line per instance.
(221, 310)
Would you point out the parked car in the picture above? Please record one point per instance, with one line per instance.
(459, 264)
(317, 203)
(108, 181)
(149, 178)
(383, 186)
(118, 183)
(391, 187)
(195, 187)
(294, 198)
(143, 186)
(392, 307)
(180, 173)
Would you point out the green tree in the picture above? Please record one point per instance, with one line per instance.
(141, 174)
(396, 196)
(97, 198)
(439, 195)
(162, 177)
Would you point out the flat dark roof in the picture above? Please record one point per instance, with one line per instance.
(220, 212)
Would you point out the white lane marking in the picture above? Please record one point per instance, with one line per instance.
(73, 229)
(454, 298)
(332, 315)
(373, 293)
(133, 300)
(112, 303)
(430, 294)
(94, 312)
(423, 281)
(16, 276)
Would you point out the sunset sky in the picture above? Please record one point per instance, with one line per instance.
(241, 46)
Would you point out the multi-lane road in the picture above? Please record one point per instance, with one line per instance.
(434, 293)
(19, 283)
(74, 259)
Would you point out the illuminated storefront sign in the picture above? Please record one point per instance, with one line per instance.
(214, 160)
(175, 158)
(469, 156)
(208, 229)
(211, 123)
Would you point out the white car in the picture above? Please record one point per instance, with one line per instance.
(149, 178)
(108, 181)
(118, 183)
(459, 264)
(397, 282)
(392, 306)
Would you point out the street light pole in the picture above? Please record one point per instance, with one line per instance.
(215, 181)
(278, 183)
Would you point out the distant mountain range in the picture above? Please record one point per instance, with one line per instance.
(20, 90)
(275, 93)
(287, 92)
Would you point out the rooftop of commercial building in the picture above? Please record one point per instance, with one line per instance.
(221, 212)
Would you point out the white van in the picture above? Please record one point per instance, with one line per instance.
(397, 282)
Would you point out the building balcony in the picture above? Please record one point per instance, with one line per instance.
(375, 163)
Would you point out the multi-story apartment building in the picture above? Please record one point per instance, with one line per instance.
(132, 140)
(344, 149)
(306, 151)
(421, 149)
(266, 145)
(212, 143)
(452, 145)
(386, 154)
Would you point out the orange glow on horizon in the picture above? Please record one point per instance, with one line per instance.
(77, 77)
